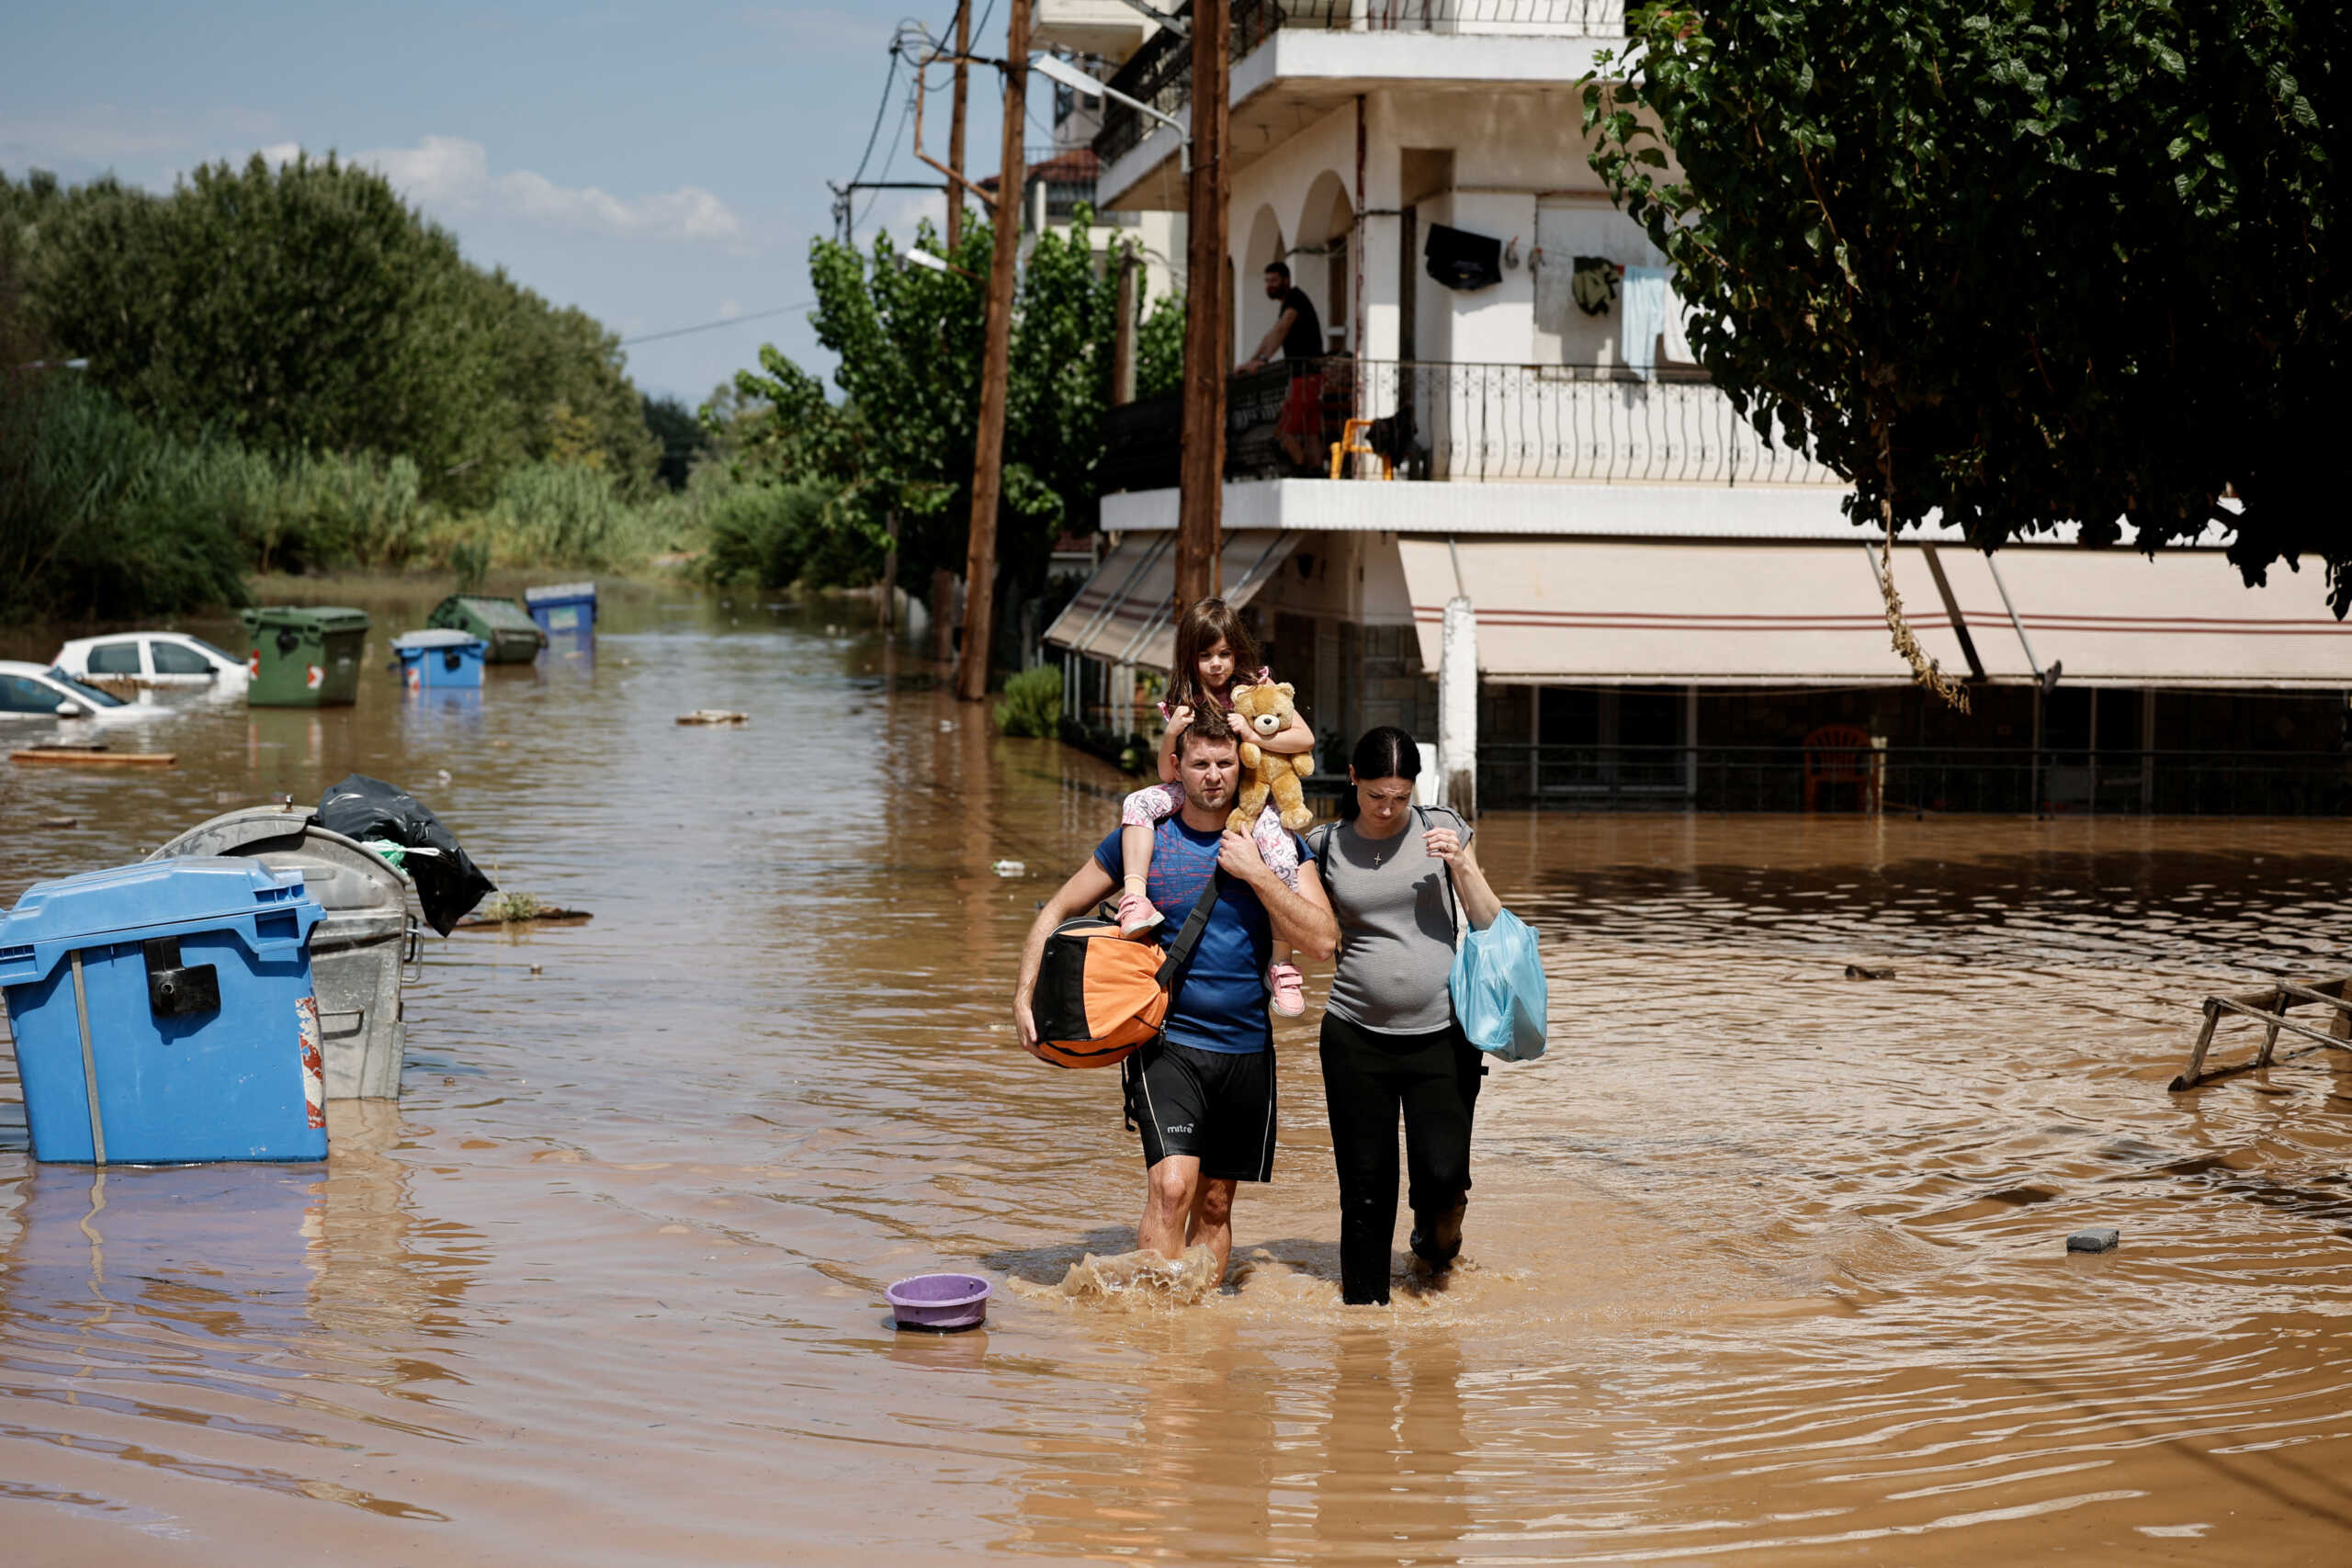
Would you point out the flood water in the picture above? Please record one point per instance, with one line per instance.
(1767, 1265)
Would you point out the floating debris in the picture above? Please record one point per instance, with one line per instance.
(54, 823)
(501, 909)
(2101, 1238)
(1011, 868)
(714, 716)
(1858, 972)
(94, 756)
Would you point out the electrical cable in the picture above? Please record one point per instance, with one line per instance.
(728, 321)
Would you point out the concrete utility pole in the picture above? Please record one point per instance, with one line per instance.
(956, 127)
(1207, 338)
(988, 446)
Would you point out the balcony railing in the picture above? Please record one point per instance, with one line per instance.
(1161, 72)
(1474, 423)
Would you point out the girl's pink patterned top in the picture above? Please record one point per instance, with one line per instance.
(1263, 676)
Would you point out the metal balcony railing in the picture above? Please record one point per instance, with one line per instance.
(1473, 422)
(1161, 72)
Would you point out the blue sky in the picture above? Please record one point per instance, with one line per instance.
(658, 166)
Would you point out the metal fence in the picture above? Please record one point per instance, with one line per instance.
(1438, 421)
(1161, 72)
(1908, 779)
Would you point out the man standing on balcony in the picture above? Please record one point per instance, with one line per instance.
(1298, 333)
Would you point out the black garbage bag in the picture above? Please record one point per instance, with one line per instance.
(448, 884)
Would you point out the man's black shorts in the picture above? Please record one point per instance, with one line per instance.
(1216, 1105)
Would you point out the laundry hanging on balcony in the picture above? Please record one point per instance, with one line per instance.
(1460, 259)
(1677, 347)
(1646, 299)
(1594, 284)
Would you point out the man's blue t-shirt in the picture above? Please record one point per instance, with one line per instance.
(1221, 1006)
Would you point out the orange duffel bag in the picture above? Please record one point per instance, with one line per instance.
(1101, 995)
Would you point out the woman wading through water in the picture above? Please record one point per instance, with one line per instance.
(1401, 880)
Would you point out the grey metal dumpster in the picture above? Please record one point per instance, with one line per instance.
(359, 949)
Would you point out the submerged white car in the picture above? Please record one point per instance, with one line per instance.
(31, 691)
(152, 659)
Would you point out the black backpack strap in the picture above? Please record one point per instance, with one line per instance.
(1181, 949)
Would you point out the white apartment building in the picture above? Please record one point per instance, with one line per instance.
(1661, 604)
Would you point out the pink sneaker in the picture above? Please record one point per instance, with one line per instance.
(1136, 914)
(1289, 989)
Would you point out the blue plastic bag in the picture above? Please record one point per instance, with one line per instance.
(1499, 996)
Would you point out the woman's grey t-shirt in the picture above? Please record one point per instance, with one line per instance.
(1396, 920)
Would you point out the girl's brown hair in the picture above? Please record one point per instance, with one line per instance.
(1201, 628)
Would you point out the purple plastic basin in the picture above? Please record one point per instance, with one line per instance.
(939, 1301)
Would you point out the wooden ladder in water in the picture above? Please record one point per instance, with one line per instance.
(2269, 1007)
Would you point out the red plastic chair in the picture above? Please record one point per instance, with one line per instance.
(1835, 755)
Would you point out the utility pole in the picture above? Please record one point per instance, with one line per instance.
(956, 127)
(1207, 339)
(988, 446)
(1123, 337)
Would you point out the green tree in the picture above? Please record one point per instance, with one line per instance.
(305, 307)
(290, 308)
(1160, 348)
(2021, 261)
(679, 436)
(909, 343)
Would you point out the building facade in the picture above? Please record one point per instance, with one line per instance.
(1533, 482)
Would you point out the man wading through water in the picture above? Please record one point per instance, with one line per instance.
(1203, 1093)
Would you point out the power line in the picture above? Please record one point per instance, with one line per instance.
(724, 321)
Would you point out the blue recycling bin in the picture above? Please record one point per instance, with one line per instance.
(563, 609)
(439, 658)
(163, 1014)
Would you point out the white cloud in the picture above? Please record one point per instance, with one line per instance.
(729, 309)
(449, 173)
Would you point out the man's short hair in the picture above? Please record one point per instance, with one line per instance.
(1208, 725)
(1282, 267)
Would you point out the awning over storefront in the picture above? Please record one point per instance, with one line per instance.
(1124, 616)
(1608, 611)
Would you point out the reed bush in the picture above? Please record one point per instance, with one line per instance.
(101, 515)
(1032, 708)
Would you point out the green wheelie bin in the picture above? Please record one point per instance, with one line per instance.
(513, 637)
(303, 657)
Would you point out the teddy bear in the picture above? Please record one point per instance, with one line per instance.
(1260, 712)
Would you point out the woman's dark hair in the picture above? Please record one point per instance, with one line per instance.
(1387, 753)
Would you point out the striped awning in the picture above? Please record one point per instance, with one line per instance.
(1126, 613)
(1617, 611)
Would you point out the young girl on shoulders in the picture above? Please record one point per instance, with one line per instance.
(1212, 649)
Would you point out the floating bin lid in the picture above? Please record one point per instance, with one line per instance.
(328, 618)
(442, 636)
(556, 593)
(130, 903)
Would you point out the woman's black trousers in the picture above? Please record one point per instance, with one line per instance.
(1369, 1078)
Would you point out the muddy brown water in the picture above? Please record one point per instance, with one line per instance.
(1767, 1265)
